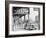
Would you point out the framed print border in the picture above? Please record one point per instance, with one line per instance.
(7, 18)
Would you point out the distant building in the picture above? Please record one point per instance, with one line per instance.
(36, 18)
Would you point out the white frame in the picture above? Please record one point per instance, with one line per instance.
(25, 32)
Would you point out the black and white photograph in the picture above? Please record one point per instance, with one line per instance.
(25, 18)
